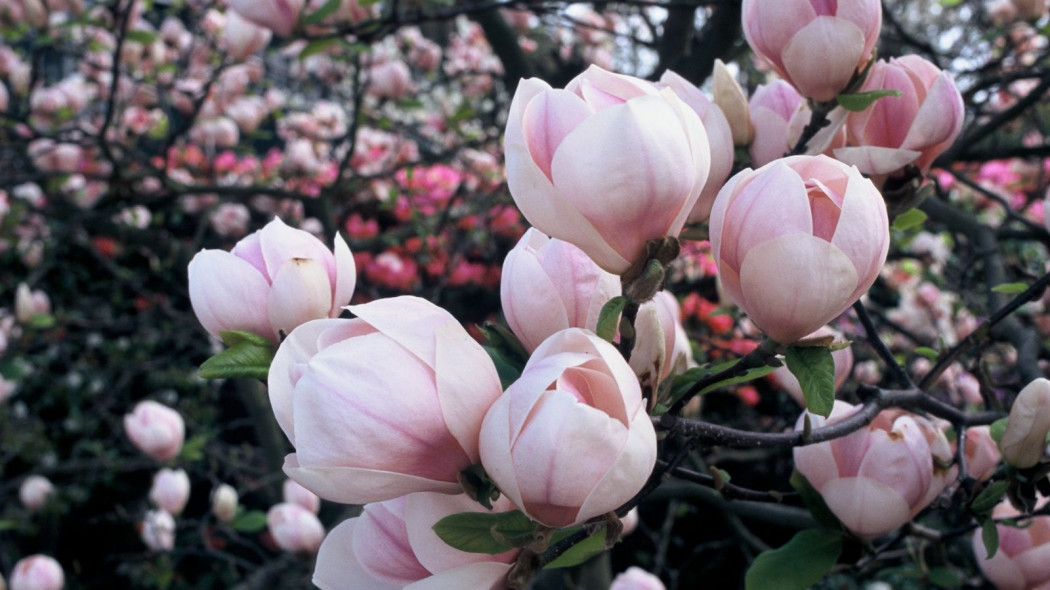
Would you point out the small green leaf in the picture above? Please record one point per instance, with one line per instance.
(927, 352)
(909, 219)
(990, 537)
(989, 497)
(1010, 288)
(580, 552)
(862, 100)
(797, 565)
(193, 449)
(248, 355)
(42, 321)
(997, 428)
(327, 9)
(250, 521)
(490, 533)
(317, 46)
(814, 501)
(944, 577)
(140, 36)
(815, 370)
(950, 3)
(609, 318)
(9, 525)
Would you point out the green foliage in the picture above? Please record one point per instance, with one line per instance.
(609, 318)
(580, 552)
(249, 521)
(248, 355)
(862, 100)
(797, 565)
(490, 533)
(815, 370)
(909, 219)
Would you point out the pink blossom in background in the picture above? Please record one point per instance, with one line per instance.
(1021, 563)
(37, 572)
(346, 391)
(34, 492)
(635, 578)
(224, 502)
(155, 429)
(293, 493)
(170, 490)
(608, 164)
(280, 16)
(982, 452)
(157, 530)
(570, 439)
(294, 528)
(392, 545)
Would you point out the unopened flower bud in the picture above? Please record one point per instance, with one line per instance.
(1024, 440)
(224, 502)
(730, 97)
(34, 492)
(37, 572)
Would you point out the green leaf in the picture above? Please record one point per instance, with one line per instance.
(990, 537)
(815, 370)
(1011, 288)
(140, 36)
(9, 525)
(42, 321)
(989, 497)
(862, 100)
(193, 449)
(491, 533)
(927, 352)
(251, 521)
(944, 577)
(609, 318)
(580, 552)
(950, 2)
(909, 219)
(799, 564)
(327, 9)
(248, 355)
(317, 46)
(814, 501)
(997, 428)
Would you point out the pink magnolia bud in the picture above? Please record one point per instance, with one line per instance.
(294, 528)
(393, 545)
(629, 522)
(30, 303)
(217, 132)
(982, 452)
(813, 44)
(913, 128)
(1024, 441)
(171, 490)
(779, 114)
(34, 492)
(37, 572)
(797, 242)
(635, 578)
(294, 493)
(224, 500)
(1030, 9)
(155, 429)
(242, 37)
(158, 530)
(879, 477)
(280, 16)
(719, 138)
(346, 392)
(1021, 562)
(843, 359)
(548, 285)
(272, 281)
(570, 439)
(390, 79)
(608, 164)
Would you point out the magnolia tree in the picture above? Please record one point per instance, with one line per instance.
(624, 296)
